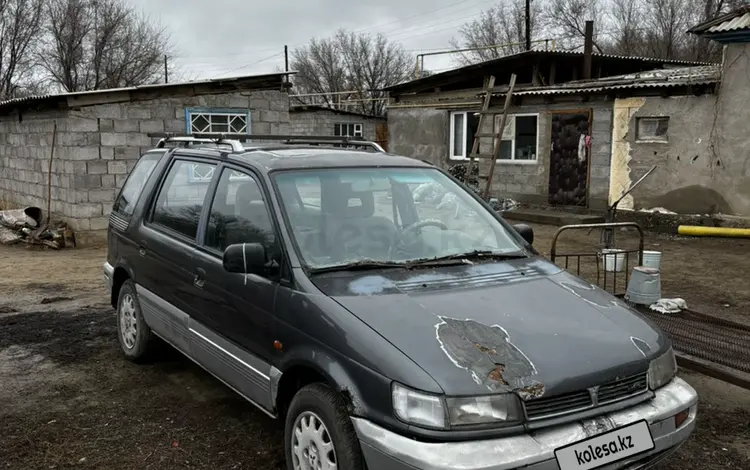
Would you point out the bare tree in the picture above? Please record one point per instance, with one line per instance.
(627, 35)
(503, 25)
(569, 18)
(96, 44)
(362, 64)
(20, 25)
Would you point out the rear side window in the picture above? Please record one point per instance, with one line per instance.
(131, 190)
(180, 201)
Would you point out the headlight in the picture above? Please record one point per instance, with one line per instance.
(434, 411)
(662, 370)
(418, 408)
(505, 408)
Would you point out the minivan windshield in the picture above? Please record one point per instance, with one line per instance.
(386, 216)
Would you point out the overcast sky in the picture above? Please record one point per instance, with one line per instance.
(217, 38)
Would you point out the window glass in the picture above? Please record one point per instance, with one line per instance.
(180, 201)
(342, 216)
(131, 190)
(650, 128)
(239, 214)
(208, 121)
(526, 137)
(458, 134)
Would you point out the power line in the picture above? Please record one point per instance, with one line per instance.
(252, 63)
(370, 28)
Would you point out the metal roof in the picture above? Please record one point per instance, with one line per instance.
(701, 75)
(301, 108)
(507, 63)
(247, 80)
(736, 20)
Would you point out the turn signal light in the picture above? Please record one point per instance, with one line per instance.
(680, 418)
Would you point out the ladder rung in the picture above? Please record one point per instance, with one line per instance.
(485, 134)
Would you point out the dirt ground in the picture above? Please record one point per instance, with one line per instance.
(68, 399)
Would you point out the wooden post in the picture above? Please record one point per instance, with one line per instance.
(588, 49)
(49, 173)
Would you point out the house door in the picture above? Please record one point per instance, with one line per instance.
(569, 158)
(381, 135)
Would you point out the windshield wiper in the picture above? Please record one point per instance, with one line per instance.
(360, 265)
(463, 258)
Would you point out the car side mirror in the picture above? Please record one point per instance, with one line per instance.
(245, 258)
(526, 232)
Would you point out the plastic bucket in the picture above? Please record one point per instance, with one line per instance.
(652, 259)
(644, 286)
(614, 259)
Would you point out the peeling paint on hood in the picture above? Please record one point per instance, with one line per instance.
(487, 354)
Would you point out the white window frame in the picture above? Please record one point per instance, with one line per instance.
(510, 126)
(356, 129)
(192, 113)
(452, 130)
(651, 139)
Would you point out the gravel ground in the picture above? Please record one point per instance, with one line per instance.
(68, 399)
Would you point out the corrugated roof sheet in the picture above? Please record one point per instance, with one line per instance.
(735, 24)
(701, 75)
(736, 20)
(153, 87)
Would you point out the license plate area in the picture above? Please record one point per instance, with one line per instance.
(607, 448)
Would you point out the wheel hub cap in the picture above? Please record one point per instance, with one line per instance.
(312, 447)
(128, 322)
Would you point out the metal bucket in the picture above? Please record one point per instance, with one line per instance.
(644, 287)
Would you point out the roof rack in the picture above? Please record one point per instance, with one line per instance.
(234, 140)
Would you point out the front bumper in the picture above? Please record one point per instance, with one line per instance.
(386, 450)
(109, 273)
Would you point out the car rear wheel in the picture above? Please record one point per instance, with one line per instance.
(319, 434)
(135, 337)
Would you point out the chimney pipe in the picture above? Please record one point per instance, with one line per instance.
(588, 48)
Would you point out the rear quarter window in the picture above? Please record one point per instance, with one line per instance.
(131, 190)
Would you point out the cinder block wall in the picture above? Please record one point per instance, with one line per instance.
(320, 122)
(97, 146)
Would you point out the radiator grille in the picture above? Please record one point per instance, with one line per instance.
(585, 399)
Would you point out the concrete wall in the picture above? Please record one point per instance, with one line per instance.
(98, 145)
(321, 122)
(423, 132)
(704, 168)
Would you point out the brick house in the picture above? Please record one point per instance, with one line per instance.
(101, 134)
(321, 120)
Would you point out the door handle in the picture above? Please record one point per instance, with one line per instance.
(199, 278)
(142, 250)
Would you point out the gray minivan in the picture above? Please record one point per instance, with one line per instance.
(386, 313)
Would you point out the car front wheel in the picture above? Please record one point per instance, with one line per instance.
(319, 434)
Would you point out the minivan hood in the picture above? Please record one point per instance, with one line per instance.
(524, 325)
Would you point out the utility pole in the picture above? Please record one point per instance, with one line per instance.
(166, 70)
(588, 48)
(286, 58)
(528, 25)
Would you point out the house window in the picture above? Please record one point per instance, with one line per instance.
(214, 121)
(347, 130)
(464, 124)
(520, 139)
(652, 129)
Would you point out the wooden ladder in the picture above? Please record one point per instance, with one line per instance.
(496, 134)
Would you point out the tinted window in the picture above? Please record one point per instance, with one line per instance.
(180, 201)
(239, 214)
(133, 186)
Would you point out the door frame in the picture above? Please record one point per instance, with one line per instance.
(590, 113)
